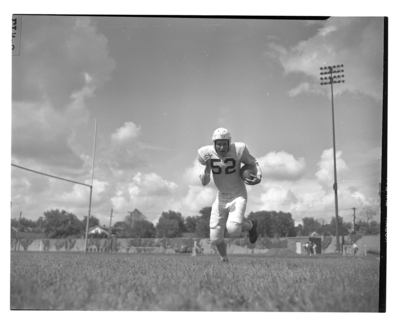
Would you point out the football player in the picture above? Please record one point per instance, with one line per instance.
(224, 159)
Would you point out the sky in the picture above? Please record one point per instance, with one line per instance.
(147, 92)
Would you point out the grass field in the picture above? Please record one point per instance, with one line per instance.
(74, 281)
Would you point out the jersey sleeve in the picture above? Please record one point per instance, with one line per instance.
(245, 156)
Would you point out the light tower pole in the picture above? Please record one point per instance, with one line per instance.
(334, 75)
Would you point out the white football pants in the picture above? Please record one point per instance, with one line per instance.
(227, 211)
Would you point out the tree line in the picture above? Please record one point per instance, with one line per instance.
(171, 224)
(55, 224)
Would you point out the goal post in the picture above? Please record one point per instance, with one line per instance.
(75, 182)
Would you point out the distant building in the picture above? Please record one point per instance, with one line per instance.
(296, 244)
(97, 230)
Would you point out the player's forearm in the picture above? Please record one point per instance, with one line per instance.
(205, 177)
(259, 172)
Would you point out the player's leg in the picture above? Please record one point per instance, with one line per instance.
(247, 225)
(236, 223)
(221, 247)
(217, 227)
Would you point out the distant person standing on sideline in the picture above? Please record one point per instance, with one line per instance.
(310, 247)
(224, 158)
(314, 246)
(306, 246)
(355, 248)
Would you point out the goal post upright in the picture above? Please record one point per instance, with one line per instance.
(91, 187)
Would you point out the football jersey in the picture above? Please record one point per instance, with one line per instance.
(226, 170)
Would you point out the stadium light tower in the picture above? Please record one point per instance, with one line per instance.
(331, 75)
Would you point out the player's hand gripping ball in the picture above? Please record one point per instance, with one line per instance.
(248, 173)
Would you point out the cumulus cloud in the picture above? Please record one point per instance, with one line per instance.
(294, 196)
(281, 166)
(192, 197)
(57, 55)
(275, 198)
(197, 197)
(303, 87)
(341, 40)
(143, 191)
(151, 184)
(325, 173)
(122, 151)
(191, 174)
(80, 194)
(154, 185)
(42, 134)
(63, 61)
(128, 131)
(304, 198)
(354, 197)
(312, 197)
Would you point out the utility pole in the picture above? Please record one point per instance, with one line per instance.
(354, 220)
(331, 70)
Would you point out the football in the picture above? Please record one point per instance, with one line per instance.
(246, 171)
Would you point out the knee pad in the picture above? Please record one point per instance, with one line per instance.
(234, 229)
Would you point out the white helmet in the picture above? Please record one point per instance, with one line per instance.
(222, 134)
